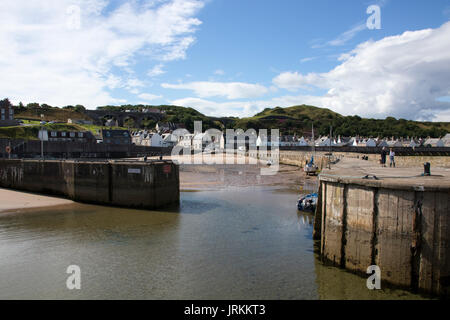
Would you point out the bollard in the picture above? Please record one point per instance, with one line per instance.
(426, 169)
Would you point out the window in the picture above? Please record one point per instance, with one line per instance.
(54, 134)
(3, 111)
(80, 134)
(63, 134)
(3, 117)
(72, 134)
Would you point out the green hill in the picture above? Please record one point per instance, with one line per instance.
(299, 119)
(295, 119)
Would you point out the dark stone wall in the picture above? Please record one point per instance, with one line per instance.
(404, 232)
(130, 184)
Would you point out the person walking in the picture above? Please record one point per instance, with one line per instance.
(383, 157)
(391, 158)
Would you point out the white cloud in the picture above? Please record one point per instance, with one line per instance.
(134, 83)
(230, 90)
(156, 70)
(294, 80)
(219, 72)
(149, 96)
(307, 59)
(46, 57)
(399, 75)
(346, 36)
(212, 108)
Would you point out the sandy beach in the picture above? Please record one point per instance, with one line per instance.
(12, 200)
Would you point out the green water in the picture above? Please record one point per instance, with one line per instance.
(237, 243)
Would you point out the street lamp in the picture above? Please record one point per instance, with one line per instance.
(42, 138)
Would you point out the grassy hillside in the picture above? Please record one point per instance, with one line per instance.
(50, 113)
(295, 119)
(299, 119)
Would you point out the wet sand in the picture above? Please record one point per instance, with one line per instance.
(13, 200)
(218, 177)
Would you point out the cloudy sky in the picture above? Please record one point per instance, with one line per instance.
(230, 57)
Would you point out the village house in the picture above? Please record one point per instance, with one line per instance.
(446, 140)
(263, 141)
(71, 136)
(145, 138)
(434, 142)
(394, 143)
(371, 143)
(413, 143)
(7, 114)
(109, 136)
(288, 141)
(169, 140)
(324, 141)
(302, 142)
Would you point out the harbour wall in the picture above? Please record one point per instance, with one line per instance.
(75, 150)
(147, 185)
(403, 228)
(321, 158)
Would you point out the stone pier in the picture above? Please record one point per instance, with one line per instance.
(399, 221)
(134, 184)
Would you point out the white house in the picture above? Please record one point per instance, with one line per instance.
(302, 142)
(446, 140)
(371, 143)
(394, 143)
(169, 140)
(324, 142)
(383, 143)
(434, 143)
(413, 143)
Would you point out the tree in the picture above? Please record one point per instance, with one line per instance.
(79, 108)
(33, 105)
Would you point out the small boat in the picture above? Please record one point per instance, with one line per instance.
(308, 203)
(310, 168)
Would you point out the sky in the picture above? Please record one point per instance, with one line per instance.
(230, 57)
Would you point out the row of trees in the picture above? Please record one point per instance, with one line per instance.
(44, 107)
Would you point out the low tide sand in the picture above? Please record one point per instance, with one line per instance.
(13, 200)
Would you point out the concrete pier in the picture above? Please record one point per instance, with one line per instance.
(134, 184)
(399, 221)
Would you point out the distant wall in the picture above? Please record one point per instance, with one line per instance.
(130, 184)
(298, 158)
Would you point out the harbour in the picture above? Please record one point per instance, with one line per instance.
(228, 239)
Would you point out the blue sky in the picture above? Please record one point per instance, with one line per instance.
(229, 57)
